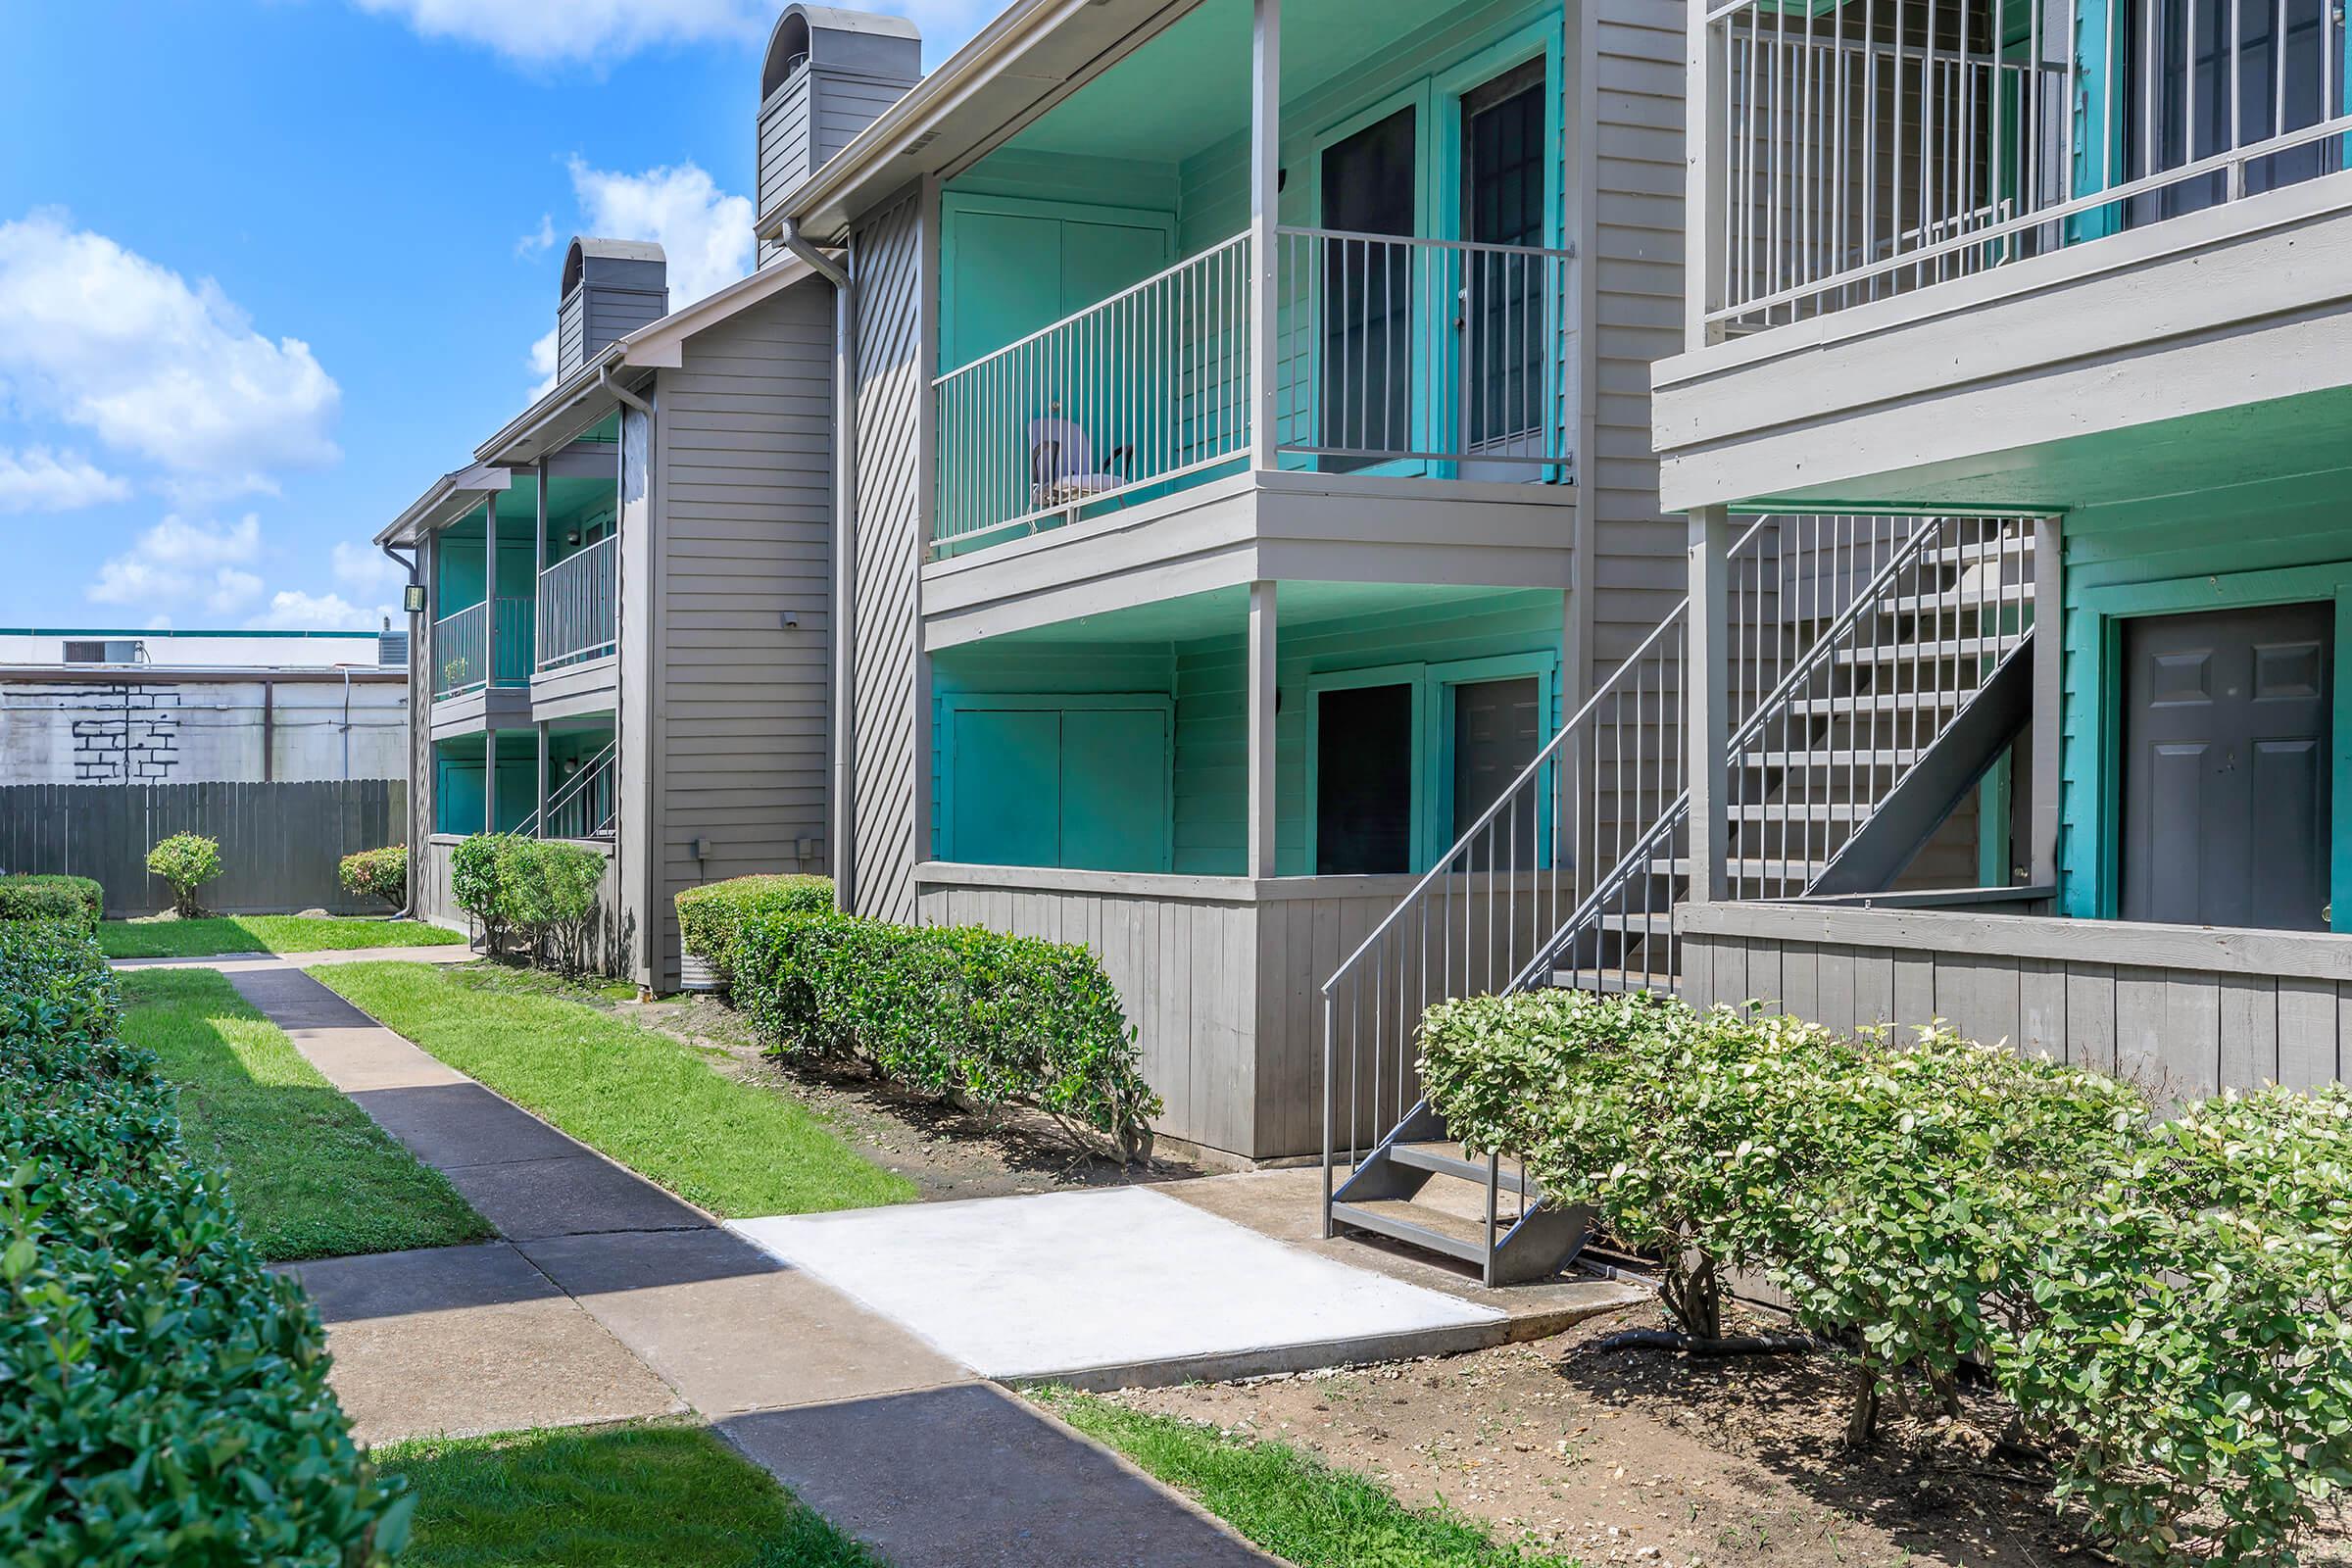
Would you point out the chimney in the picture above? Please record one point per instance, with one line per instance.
(611, 288)
(829, 73)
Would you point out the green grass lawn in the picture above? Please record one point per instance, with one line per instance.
(655, 1104)
(312, 1176)
(1289, 1502)
(261, 933)
(633, 1496)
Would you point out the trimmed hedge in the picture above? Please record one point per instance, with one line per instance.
(547, 891)
(2169, 1307)
(377, 874)
(950, 1010)
(186, 861)
(167, 1395)
(74, 899)
(710, 916)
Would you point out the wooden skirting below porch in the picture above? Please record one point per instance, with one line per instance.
(2183, 1008)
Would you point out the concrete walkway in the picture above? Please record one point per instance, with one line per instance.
(235, 962)
(608, 1297)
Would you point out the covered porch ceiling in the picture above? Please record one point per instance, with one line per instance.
(569, 498)
(1301, 608)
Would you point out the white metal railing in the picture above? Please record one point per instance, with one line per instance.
(1147, 386)
(1873, 147)
(1421, 351)
(578, 606)
(587, 803)
(1853, 643)
(461, 651)
(1429, 355)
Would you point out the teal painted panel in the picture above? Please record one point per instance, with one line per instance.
(1003, 280)
(1114, 789)
(518, 780)
(1007, 787)
(457, 795)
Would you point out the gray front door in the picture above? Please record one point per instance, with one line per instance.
(1497, 732)
(2226, 741)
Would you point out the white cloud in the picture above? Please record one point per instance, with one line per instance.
(542, 362)
(290, 611)
(107, 340)
(540, 240)
(541, 33)
(38, 479)
(704, 233)
(181, 565)
(364, 570)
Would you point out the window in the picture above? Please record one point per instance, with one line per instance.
(1364, 757)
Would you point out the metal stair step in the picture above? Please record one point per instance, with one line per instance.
(1901, 651)
(1805, 811)
(1888, 756)
(1978, 552)
(1406, 1219)
(1455, 1160)
(2003, 598)
(1875, 702)
(1775, 870)
(1614, 982)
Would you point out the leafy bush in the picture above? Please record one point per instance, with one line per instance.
(167, 1394)
(2169, 1307)
(547, 890)
(473, 886)
(75, 900)
(950, 1010)
(186, 861)
(708, 916)
(377, 873)
(2190, 1354)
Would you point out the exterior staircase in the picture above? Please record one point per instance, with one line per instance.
(1878, 667)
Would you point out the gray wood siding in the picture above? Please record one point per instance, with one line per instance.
(1636, 296)
(746, 543)
(890, 704)
(571, 333)
(784, 141)
(845, 104)
(2185, 1010)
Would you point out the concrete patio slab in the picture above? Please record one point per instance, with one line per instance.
(470, 1340)
(969, 1476)
(732, 1329)
(577, 1194)
(1116, 1288)
(1288, 1206)
(353, 1059)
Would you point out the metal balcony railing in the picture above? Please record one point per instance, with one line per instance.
(461, 646)
(1423, 356)
(1874, 147)
(580, 606)
(586, 804)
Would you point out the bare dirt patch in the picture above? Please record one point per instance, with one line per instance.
(1634, 1456)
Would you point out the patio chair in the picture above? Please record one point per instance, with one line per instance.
(1061, 465)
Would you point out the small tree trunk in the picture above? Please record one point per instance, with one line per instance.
(1701, 1293)
(1862, 1420)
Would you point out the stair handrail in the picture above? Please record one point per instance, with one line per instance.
(601, 762)
(1865, 602)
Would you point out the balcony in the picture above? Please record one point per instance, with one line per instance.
(2030, 258)
(578, 630)
(1395, 355)
(460, 654)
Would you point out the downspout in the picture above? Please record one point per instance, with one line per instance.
(408, 568)
(845, 560)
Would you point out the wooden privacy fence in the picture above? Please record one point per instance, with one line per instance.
(279, 842)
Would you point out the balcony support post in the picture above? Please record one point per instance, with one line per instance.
(1706, 211)
(1265, 182)
(2049, 696)
(489, 778)
(540, 816)
(1707, 680)
(1263, 690)
(538, 571)
(489, 594)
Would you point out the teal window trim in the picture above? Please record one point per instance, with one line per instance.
(2094, 642)
(1431, 828)
(1411, 675)
(1438, 207)
(952, 703)
(954, 203)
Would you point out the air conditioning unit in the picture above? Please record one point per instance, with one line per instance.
(106, 651)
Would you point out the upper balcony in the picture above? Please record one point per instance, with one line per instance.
(1183, 315)
(1927, 238)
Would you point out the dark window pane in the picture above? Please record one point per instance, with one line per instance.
(1368, 186)
(1364, 780)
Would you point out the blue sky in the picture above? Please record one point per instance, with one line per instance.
(267, 269)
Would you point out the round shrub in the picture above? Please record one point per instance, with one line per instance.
(76, 901)
(186, 861)
(377, 874)
(473, 886)
(710, 916)
(547, 890)
(167, 1394)
(950, 1010)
